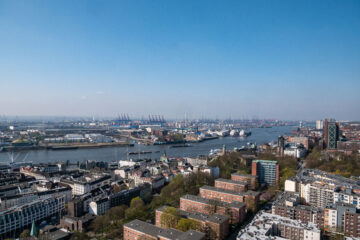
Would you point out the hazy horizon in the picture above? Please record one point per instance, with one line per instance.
(285, 60)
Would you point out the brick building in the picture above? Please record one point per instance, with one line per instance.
(136, 230)
(352, 224)
(288, 205)
(78, 224)
(76, 208)
(215, 226)
(302, 213)
(191, 203)
(236, 186)
(229, 196)
(250, 179)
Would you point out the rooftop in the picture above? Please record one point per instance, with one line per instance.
(171, 234)
(231, 181)
(262, 224)
(247, 193)
(265, 161)
(208, 201)
(215, 218)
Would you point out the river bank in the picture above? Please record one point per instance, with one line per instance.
(115, 153)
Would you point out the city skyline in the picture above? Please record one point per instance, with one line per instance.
(283, 60)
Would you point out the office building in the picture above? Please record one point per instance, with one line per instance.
(331, 135)
(266, 170)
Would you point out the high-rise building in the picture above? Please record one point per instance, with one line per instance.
(331, 135)
(319, 124)
(266, 170)
(281, 145)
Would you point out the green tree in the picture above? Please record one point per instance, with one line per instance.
(136, 210)
(170, 217)
(117, 213)
(99, 224)
(285, 173)
(187, 224)
(25, 234)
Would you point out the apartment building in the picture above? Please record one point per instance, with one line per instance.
(215, 226)
(85, 184)
(136, 230)
(14, 219)
(236, 210)
(288, 205)
(269, 226)
(236, 186)
(250, 179)
(229, 196)
(99, 207)
(352, 224)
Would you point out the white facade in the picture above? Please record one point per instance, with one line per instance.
(312, 235)
(331, 218)
(319, 124)
(290, 185)
(347, 198)
(99, 207)
(295, 152)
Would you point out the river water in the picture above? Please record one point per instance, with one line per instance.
(109, 154)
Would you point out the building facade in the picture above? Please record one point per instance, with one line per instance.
(266, 170)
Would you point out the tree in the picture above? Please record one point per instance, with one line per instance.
(251, 204)
(79, 236)
(117, 213)
(99, 224)
(170, 217)
(118, 188)
(137, 210)
(286, 173)
(187, 224)
(25, 234)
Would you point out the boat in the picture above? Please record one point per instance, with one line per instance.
(142, 152)
(179, 146)
(63, 147)
(234, 133)
(244, 133)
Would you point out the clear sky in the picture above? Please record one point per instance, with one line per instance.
(265, 59)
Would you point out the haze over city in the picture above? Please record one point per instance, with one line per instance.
(238, 59)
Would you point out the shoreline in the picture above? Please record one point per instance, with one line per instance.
(64, 146)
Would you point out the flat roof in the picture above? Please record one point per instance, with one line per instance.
(208, 201)
(247, 193)
(265, 161)
(215, 218)
(244, 175)
(169, 233)
(231, 181)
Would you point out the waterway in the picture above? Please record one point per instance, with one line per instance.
(110, 154)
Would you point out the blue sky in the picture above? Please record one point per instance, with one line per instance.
(265, 59)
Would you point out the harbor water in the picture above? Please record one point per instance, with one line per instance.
(110, 154)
